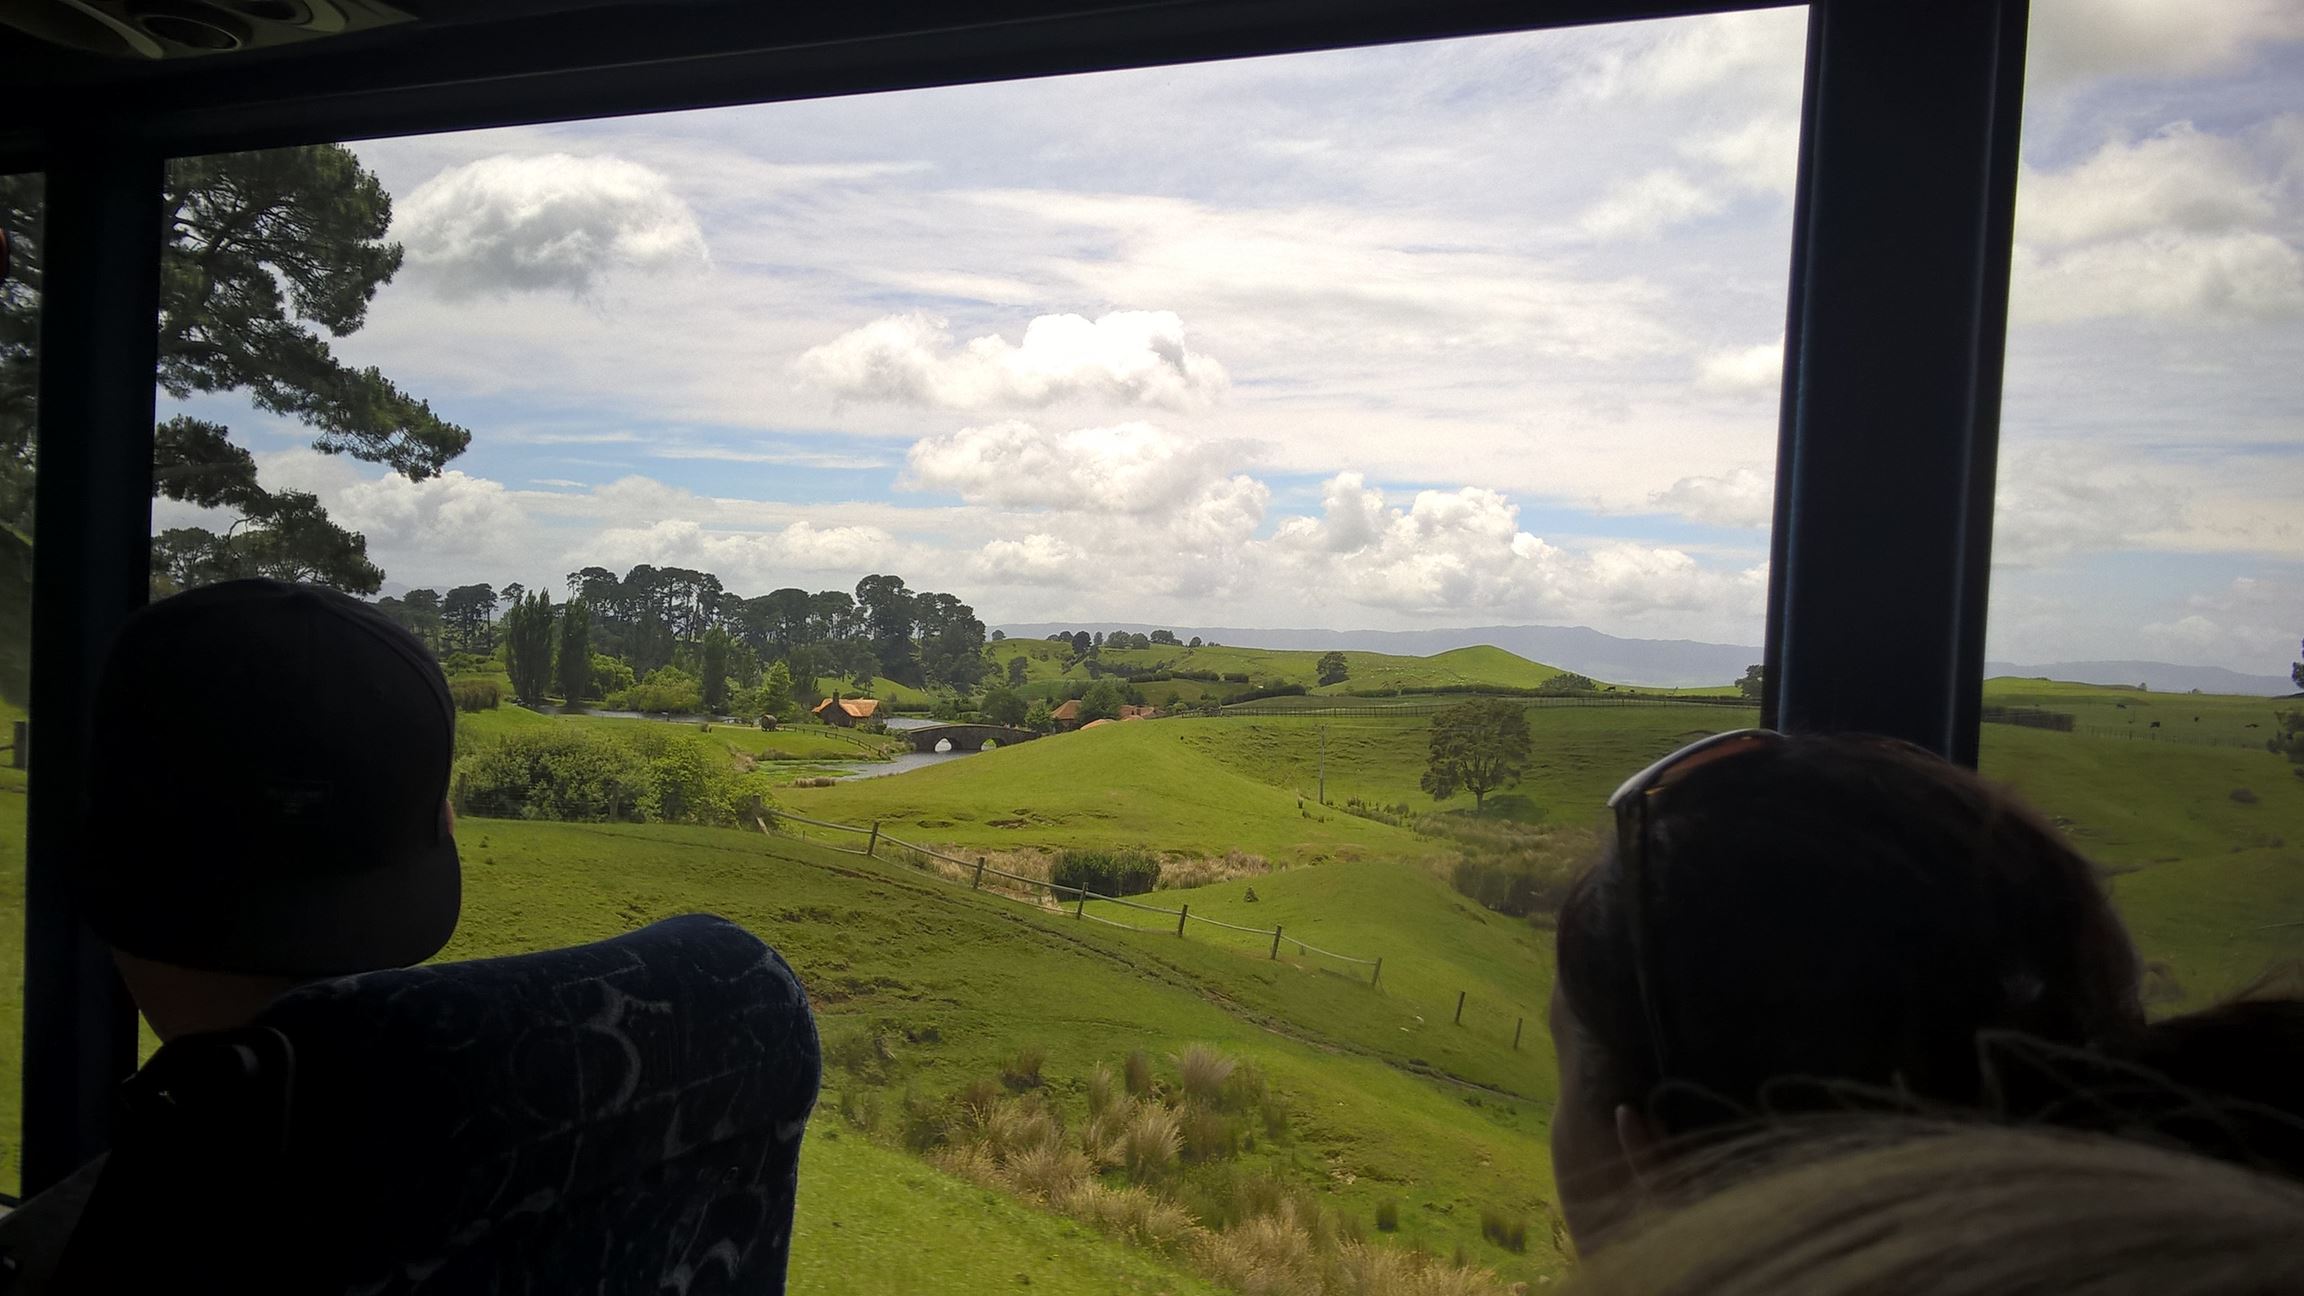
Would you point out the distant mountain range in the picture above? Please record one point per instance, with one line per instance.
(1658, 663)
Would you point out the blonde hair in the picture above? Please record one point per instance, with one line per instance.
(1914, 1209)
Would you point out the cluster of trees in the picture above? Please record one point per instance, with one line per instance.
(673, 639)
(1085, 642)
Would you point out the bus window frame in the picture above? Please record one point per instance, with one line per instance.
(1889, 421)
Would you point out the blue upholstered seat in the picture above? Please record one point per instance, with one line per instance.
(622, 1117)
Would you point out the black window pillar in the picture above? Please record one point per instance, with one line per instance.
(92, 556)
(1884, 489)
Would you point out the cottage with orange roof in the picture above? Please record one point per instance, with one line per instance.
(847, 712)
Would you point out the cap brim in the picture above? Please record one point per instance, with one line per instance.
(313, 924)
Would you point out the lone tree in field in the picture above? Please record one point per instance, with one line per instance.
(1752, 683)
(2296, 673)
(528, 646)
(1333, 668)
(575, 653)
(1476, 747)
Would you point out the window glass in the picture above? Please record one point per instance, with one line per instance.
(2148, 569)
(20, 206)
(879, 520)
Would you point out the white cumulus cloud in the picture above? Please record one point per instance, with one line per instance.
(2179, 179)
(2178, 225)
(1463, 551)
(1744, 371)
(2080, 40)
(453, 512)
(543, 222)
(1646, 206)
(1744, 497)
(1122, 358)
(1129, 468)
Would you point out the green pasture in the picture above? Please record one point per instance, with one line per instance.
(1114, 785)
(873, 1219)
(2131, 713)
(804, 741)
(954, 982)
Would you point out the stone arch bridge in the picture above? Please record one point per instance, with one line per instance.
(964, 737)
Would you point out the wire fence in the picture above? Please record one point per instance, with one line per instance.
(1046, 895)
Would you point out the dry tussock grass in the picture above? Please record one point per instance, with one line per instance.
(1046, 1173)
(1104, 1139)
(1203, 1071)
(1362, 1269)
(1104, 1091)
(1202, 870)
(1262, 1257)
(1128, 1212)
(1153, 1140)
(1014, 1128)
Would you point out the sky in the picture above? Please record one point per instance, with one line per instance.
(1449, 334)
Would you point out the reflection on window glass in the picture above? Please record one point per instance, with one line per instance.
(19, 340)
(2148, 570)
(885, 520)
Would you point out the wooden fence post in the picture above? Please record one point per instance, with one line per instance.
(1459, 1007)
(1517, 1023)
(872, 843)
(1379, 974)
(1181, 915)
(1082, 911)
(979, 882)
(1275, 940)
(18, 756)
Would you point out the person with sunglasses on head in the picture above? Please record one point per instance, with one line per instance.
(1796, 922)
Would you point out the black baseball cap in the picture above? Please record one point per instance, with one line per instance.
(269, 762)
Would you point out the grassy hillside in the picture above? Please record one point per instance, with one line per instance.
(2207, 844)
(1115, 785)
(1483, 666)
(975, 978)
(2102, 710)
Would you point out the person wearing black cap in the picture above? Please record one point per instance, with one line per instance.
(271, 764)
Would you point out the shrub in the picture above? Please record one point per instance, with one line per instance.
(1387, 1217)
(1106, 872)
(1506, 1230)
(978, 1100)
(667, 688)
(1137, 1066)
(475, 694)
(925, 1123)
(861, 1108)
(859, 1052)
(1518, 885)
(1023, 1070)
(561, 772)
(1208, 1135)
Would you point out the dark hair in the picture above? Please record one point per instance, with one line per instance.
(2225, 1082)
(1842, 912)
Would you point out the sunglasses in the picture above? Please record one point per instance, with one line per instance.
(1632, 804)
